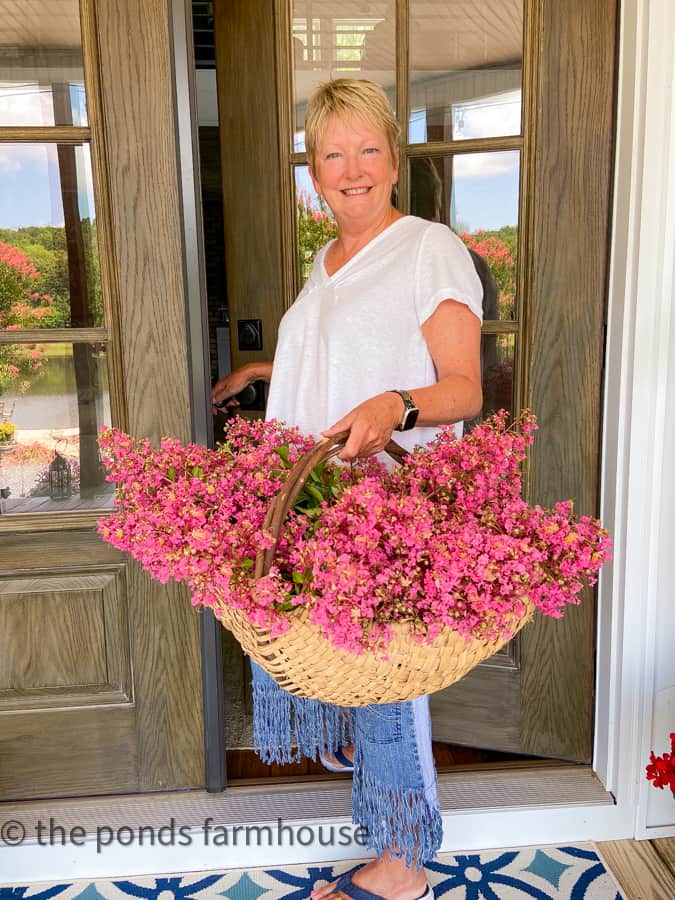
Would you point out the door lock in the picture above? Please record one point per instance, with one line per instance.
(249, 333)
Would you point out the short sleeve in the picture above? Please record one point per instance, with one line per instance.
(445, 271)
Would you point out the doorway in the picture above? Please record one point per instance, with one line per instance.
(479, 106)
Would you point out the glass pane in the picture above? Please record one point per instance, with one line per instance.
(465, 69)
(476, 194)
(314, 222)
(54, 399)
(41, 76)
(338, 40)
(49, 269)
(498, 353)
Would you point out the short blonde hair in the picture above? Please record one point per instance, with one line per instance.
(346, 97)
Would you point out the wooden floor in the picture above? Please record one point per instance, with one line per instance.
(245, 765)
(645, 870)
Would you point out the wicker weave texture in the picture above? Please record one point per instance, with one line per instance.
(306, 663)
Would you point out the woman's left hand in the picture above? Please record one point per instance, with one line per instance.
(369, 424)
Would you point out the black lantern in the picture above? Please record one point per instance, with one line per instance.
(60, 478)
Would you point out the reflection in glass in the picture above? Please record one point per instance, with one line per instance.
(335, 40)
(41, 75)
(314, 223)
(498, 352)
(465, 69)
(54, 398)
(476, 194)
(49, 265)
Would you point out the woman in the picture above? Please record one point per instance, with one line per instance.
(384, 336)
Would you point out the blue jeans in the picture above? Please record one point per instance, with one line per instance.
(394, 786)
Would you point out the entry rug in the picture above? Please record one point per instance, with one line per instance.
(570, 872)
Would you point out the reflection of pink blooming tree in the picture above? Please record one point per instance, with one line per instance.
(499, 251)
(315, 227)
(21, 306)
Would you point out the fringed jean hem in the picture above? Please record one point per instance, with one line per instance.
(394, 796)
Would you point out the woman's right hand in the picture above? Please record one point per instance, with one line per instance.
(223, 391)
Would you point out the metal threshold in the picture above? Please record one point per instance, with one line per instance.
(468, 789)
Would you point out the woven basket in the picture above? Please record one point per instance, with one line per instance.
(307, 664)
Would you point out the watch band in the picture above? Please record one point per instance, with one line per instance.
(410, 410)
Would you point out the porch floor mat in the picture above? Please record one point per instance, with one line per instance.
(566, 872)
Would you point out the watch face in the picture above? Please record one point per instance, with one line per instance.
(409, 419)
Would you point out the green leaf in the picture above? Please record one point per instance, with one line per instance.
(314, 492)
(283, 605)
(171, 473)
(247, 563)
(197, 472)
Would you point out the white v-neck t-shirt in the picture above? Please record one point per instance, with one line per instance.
(357, 333)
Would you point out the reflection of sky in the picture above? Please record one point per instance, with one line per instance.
(304, 183)
(494, 116)
(485, 184)
(485, 190)
(29, 103)
(30, 191)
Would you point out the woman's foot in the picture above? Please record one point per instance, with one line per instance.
(387, 876)
(335, 763)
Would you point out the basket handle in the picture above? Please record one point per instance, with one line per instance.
(294, 483)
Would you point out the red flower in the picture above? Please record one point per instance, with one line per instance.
(662, 768)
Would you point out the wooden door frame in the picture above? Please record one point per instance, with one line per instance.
(194, 264)
(145, 735)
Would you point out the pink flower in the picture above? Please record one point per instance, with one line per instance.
(444, 540)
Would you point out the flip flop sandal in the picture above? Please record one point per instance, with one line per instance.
(349, 889)
(346, 764)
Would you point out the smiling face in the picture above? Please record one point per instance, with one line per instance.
(354, 171)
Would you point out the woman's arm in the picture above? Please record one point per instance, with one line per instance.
(452, 334)
(236, 381)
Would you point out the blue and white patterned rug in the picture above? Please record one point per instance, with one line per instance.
(570, 872)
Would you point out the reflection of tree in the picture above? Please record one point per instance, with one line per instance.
(499, 250)
(21, 306)
(45, 247)
(49, 278)
(314, 227)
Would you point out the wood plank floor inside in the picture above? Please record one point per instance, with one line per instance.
(644, 870)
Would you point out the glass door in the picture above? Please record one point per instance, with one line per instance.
(490, 150)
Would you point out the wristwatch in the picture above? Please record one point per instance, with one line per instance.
(410, 411)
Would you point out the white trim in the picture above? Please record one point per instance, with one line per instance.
(463, 832)
(630, 604)
(613, 665)
(654, 324)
